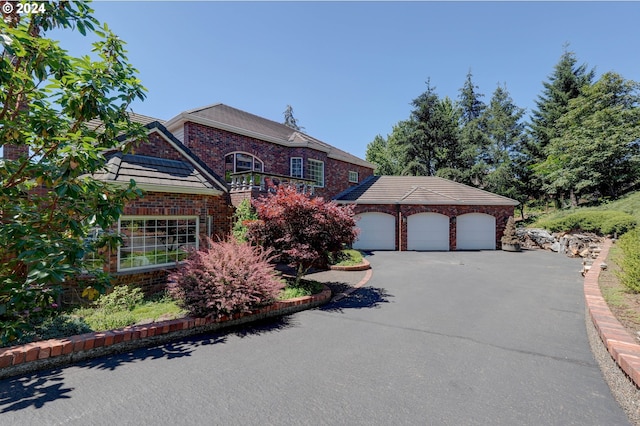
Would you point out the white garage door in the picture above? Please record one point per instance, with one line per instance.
(377, 231)
(476, 231)
(428, 231)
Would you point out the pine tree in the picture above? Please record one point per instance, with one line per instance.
(290, 120)
(565, 83)
(472, 132)
(597, 150)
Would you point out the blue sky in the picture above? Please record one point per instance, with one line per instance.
(351, 69)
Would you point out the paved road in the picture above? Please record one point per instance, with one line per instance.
(464, 338)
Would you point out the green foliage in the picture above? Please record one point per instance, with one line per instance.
(102, 320)
(244, 213)
(121, 298)
(49, 202)
(596, 150)
(301, 289)
(387, 154)
(603, 222)
(55, 327)
(630, 263)
(347, 257)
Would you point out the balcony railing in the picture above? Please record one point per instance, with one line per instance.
(264, 182)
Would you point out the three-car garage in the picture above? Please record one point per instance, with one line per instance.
(426, 214)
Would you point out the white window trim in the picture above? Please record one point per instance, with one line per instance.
(353, 173)
(160, 217)
(311, 160)
(301, 167)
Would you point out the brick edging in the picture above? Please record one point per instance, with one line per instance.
(50, 353)
(361, 267)
(622, 347)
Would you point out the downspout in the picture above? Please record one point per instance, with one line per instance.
(399, 227)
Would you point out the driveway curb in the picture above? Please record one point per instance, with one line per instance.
(16, 360)
(621, 345)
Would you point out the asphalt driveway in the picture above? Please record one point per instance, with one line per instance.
(460, 338)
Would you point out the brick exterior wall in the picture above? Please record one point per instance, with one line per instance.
(164, 204)
(14, 152)
(157, 146)
(212, 145)
(501, 213)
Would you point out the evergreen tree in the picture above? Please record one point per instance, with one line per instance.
(451, 162)
(422, 140)
(290, 120)
(597, 150)
(565, 83)
(505, 132)
(473, 138)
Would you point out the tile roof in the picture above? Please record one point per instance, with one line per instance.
(419, 190)
(156, 172)
(241, 122)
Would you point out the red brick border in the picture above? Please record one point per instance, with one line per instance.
(16, 360)
(361, 267)
(622, 347)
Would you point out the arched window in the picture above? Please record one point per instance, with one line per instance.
(242, 162)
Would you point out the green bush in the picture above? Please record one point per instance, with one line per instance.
(630, 263)
(121, 298)
(602, 222)
(244, 213)
(347, 257)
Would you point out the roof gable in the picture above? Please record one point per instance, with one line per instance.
(241, 122)
(183, 172)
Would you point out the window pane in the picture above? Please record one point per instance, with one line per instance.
(160, 241)
(244, 162)
(316, 172)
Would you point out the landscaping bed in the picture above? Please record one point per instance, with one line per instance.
(624, 304)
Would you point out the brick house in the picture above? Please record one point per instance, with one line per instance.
(184, 200)
(251, 151)
(194, 168)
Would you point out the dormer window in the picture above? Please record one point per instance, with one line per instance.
(242, 162)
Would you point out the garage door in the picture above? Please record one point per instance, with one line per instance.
(377, 231)
(476, 231)
(428, 231)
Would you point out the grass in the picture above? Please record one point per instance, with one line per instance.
(159, 307)
(305, 288)
(624, 304)
(347, 257)
(128, 309)
(629, 204)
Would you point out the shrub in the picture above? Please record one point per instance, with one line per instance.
(244, 213)
(603, 222)
(509, 236)
(630, 263)
(225, 278)
(301, 230)
(346, 257)
(121, 298)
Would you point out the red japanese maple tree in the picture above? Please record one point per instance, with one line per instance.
(302, 230)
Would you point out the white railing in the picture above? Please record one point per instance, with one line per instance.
(264, 182)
